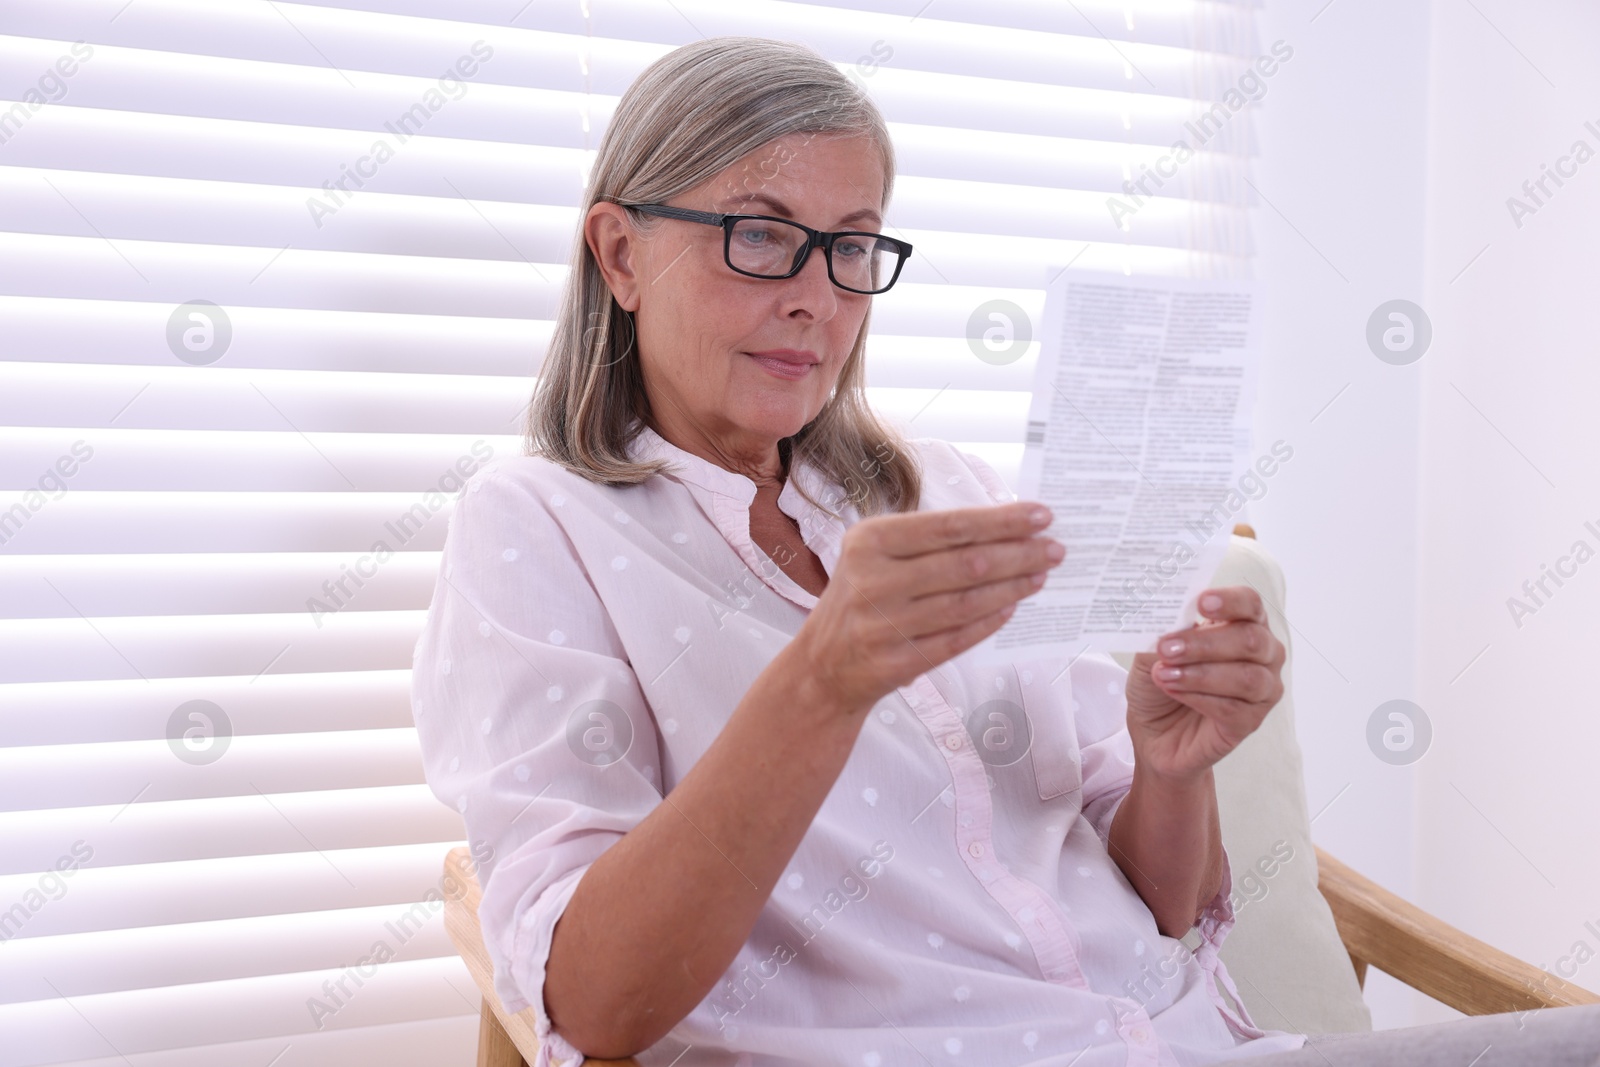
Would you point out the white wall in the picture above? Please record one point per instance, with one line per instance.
(1509, 798)
(1341, 230)
(1424, 496)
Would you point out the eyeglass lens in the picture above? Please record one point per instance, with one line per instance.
(768, 248)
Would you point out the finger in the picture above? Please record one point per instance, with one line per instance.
(1250, 641)
(1234, 719)
(920, 532)
(1252, 683)
(969, 565)
(941, 646)
(1232, 602)
(932, 614)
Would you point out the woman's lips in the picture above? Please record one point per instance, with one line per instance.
(778, 368)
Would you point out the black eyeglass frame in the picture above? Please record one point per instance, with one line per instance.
(814, 239)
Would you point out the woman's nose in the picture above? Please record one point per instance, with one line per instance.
(812, 288)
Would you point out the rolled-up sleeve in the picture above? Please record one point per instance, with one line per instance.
(531, 722)
(1216, 920)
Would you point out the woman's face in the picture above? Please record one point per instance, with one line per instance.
(699, 321)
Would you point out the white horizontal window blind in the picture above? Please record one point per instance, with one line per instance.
(274, 277)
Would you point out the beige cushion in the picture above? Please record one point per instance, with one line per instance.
(1284, 951)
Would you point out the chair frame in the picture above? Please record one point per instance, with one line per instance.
(1378, 928)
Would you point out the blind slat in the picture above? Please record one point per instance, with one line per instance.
(226, 398)
(110, 773)
(122, 269)
(171, 831)
(298, 460)
(70, 712)
(192, 646)
(189, 953)
(134, 333)
(152, 1020)
(208, 583)
(228, 887)
(106, 522)
(444, 1042)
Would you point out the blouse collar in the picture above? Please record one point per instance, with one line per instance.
(686, 466)
(729, 496)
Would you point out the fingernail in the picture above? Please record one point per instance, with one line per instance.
(1172, 649)
(1038, 579)
(1169, 674)
(1210, 602)
(1039, 516)
(1056, 551)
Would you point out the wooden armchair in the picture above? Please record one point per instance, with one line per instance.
(1376, 927)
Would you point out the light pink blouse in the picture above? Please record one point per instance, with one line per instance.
(953, 901)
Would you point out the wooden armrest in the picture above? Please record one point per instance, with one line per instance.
(502, 1039)
(1402, 940)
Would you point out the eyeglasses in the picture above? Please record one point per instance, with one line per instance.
(765, 246)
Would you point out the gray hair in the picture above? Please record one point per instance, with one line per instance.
(688, 116)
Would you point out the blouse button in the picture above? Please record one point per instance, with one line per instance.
(1140, 1034)
(975, 848)
(953, 742)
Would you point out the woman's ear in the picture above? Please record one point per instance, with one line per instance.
(616, 249)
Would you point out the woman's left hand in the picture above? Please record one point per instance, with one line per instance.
(1207, 688)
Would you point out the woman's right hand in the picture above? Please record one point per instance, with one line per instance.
(912, 590)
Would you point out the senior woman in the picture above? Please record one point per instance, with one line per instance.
(694, 673)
